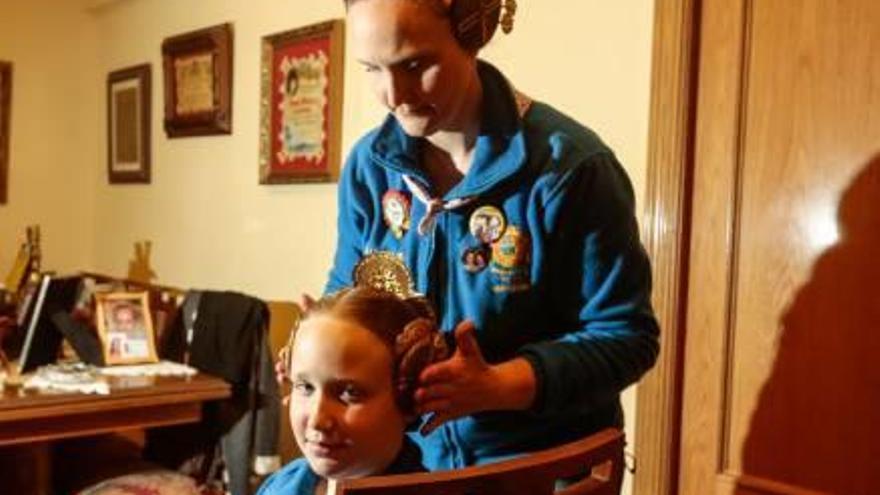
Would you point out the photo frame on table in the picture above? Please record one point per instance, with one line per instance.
(125, 327)
(301, 104)
(197, 69)
(129, 124)
(5, 118)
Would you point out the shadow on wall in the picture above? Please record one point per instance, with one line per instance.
(817, 423)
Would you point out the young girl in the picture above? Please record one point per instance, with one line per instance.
(354, 363)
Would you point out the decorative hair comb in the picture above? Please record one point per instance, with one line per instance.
(386, 271)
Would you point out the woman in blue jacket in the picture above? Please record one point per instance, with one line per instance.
(514, 220)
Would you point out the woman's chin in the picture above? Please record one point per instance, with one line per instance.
(416, 125)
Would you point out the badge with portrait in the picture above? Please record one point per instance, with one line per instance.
(125, 328)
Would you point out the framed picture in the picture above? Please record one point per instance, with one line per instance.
(128, 125)
(125, 327)
(301, 104)
(197, 70)
(5, 109)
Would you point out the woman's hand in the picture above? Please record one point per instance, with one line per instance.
(465, 384)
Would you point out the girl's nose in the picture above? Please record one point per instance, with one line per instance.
(321, 417)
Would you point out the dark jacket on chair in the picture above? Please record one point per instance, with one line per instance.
(225, 334)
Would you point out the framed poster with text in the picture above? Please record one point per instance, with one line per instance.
(301, 104)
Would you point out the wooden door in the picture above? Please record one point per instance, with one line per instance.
(781, 388)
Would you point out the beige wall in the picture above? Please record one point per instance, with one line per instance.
(57, 118)
(211, 224)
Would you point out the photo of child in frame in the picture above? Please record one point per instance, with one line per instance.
(125, 328)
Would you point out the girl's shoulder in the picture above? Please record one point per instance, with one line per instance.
(296, 478)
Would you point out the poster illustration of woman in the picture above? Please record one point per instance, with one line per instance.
(302, 103)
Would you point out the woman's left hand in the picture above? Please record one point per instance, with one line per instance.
(466, 384)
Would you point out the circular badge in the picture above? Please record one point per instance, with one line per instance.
(487, 224)
(475, 259)
(395, 211)
(386, 271)
(512, 250)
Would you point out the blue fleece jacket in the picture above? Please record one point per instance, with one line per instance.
(567, 286)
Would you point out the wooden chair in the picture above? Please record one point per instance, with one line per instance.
(283, 317)
(536, 473)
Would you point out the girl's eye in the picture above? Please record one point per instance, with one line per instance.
(302, 388)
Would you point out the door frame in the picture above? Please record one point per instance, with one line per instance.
(666, 230)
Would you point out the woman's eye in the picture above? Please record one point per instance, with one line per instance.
(371, 68)
(303, 388)
(351, 394)
(413, 65)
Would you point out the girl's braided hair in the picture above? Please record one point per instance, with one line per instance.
(407, 326)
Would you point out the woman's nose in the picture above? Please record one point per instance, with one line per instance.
(397, 89)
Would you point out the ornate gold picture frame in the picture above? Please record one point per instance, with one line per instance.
(301, 104)
(125, 327)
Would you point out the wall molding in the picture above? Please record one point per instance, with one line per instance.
(666, 233)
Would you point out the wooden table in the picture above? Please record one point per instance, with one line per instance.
(28, 416)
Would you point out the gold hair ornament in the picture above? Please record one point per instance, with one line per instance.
(385, 271)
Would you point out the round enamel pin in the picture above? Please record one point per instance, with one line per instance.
(395, 211)
(513, 250)
(487, 224)
(475, 259)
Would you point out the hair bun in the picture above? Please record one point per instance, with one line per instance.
(417, 346)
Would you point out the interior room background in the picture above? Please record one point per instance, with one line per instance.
(210, 223)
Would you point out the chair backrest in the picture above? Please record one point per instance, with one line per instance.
(283, 316)
(535, 473)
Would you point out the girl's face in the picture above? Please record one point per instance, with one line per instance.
(416, 66)
(342, 409)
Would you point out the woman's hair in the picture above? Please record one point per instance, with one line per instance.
(473, 22)
(407, 326)
(436, 5)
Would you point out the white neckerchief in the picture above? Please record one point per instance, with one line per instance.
(433, 206)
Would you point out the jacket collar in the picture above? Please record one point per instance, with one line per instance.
(499, 151)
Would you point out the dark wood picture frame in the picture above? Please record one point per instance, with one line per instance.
(5, 119)
(129, 120)
(197, 70)
(301, 104)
